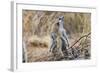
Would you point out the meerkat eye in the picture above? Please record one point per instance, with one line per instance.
(60, 18)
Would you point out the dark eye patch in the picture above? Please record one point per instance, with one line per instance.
(60, 18)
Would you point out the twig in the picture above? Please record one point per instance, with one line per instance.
(79, 40)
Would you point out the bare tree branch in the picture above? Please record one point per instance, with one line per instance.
(79, 40)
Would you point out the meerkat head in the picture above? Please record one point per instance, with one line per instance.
(61, 21)
(61, 18)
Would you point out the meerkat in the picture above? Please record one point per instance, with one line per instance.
(60, 42)
(62, 31)
(63, 37)
(55, 43)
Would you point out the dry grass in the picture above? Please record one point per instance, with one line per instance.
(36, 41)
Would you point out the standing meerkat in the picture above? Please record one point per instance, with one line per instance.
(62, 31)
(55, 43)
(63, 37)
(60, 44)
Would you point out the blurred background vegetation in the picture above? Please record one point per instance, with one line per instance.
(43, 22)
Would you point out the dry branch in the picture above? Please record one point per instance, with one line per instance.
(79, 39)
